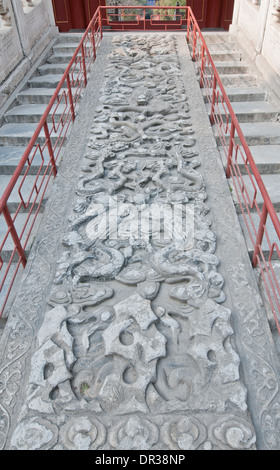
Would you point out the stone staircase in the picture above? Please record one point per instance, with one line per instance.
(258, 115)
(20, 120)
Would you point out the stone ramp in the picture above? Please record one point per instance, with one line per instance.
(135, 340)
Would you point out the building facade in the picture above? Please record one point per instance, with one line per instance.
(27, 27)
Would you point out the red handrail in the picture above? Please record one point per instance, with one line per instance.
(235, 123)
(71, 97)
(143, 22)
(201, 54)
(42, 122)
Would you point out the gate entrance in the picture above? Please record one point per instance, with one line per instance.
(76, 14)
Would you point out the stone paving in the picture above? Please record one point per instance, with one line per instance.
(127, 335)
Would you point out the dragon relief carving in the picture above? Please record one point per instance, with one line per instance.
(136, 338)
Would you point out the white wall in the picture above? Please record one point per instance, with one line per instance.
(271, 43)
(256, 25)
(26, 28)
(10, 47)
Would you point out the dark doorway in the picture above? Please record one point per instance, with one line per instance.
(214, 14)
(74, 14)
(78, 14)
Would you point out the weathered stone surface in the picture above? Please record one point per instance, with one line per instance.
(135, 346)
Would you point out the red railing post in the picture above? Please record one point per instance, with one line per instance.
(100, 23)
(202, 66)
(70, 97)
(260, 235)
(144, 19)
(188, 24)
(50, 149)
(230, 149)
(93, 42)
(194, 42)
(14, 235)
(213, 100)
(84, 64)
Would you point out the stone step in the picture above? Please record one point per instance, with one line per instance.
(225, 47)
(254, 224)
(245, 94)
(60, 58)
(22, 226)
(253, 111)
(25, 191)
(45, 81)
(217, 35)
(241, 94)
(219, 43)
(65, 47)
(51, 80)
(11, 156)
(16, 134)
(54, 68)
(35, 95)
(40, 95)
(226, 56)
(20, 134)
(262, 133)
(32, 113)
(232, 67)
(272, 184)
(69, 37)
(238, 80)
(259, 133)
(266, 157)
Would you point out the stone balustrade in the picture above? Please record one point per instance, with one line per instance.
(5, 17)
(27, 4)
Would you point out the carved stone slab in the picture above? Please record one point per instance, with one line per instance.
(134, 347)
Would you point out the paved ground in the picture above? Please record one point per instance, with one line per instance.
(130, 335)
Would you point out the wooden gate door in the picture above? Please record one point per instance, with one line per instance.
(227, 12)
(74, 14)
(199, 8)
(212, 13)
(62, 15)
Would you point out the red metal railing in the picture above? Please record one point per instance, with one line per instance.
(46, 144)
(260, 219)
(125, 18)
(20, 203)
